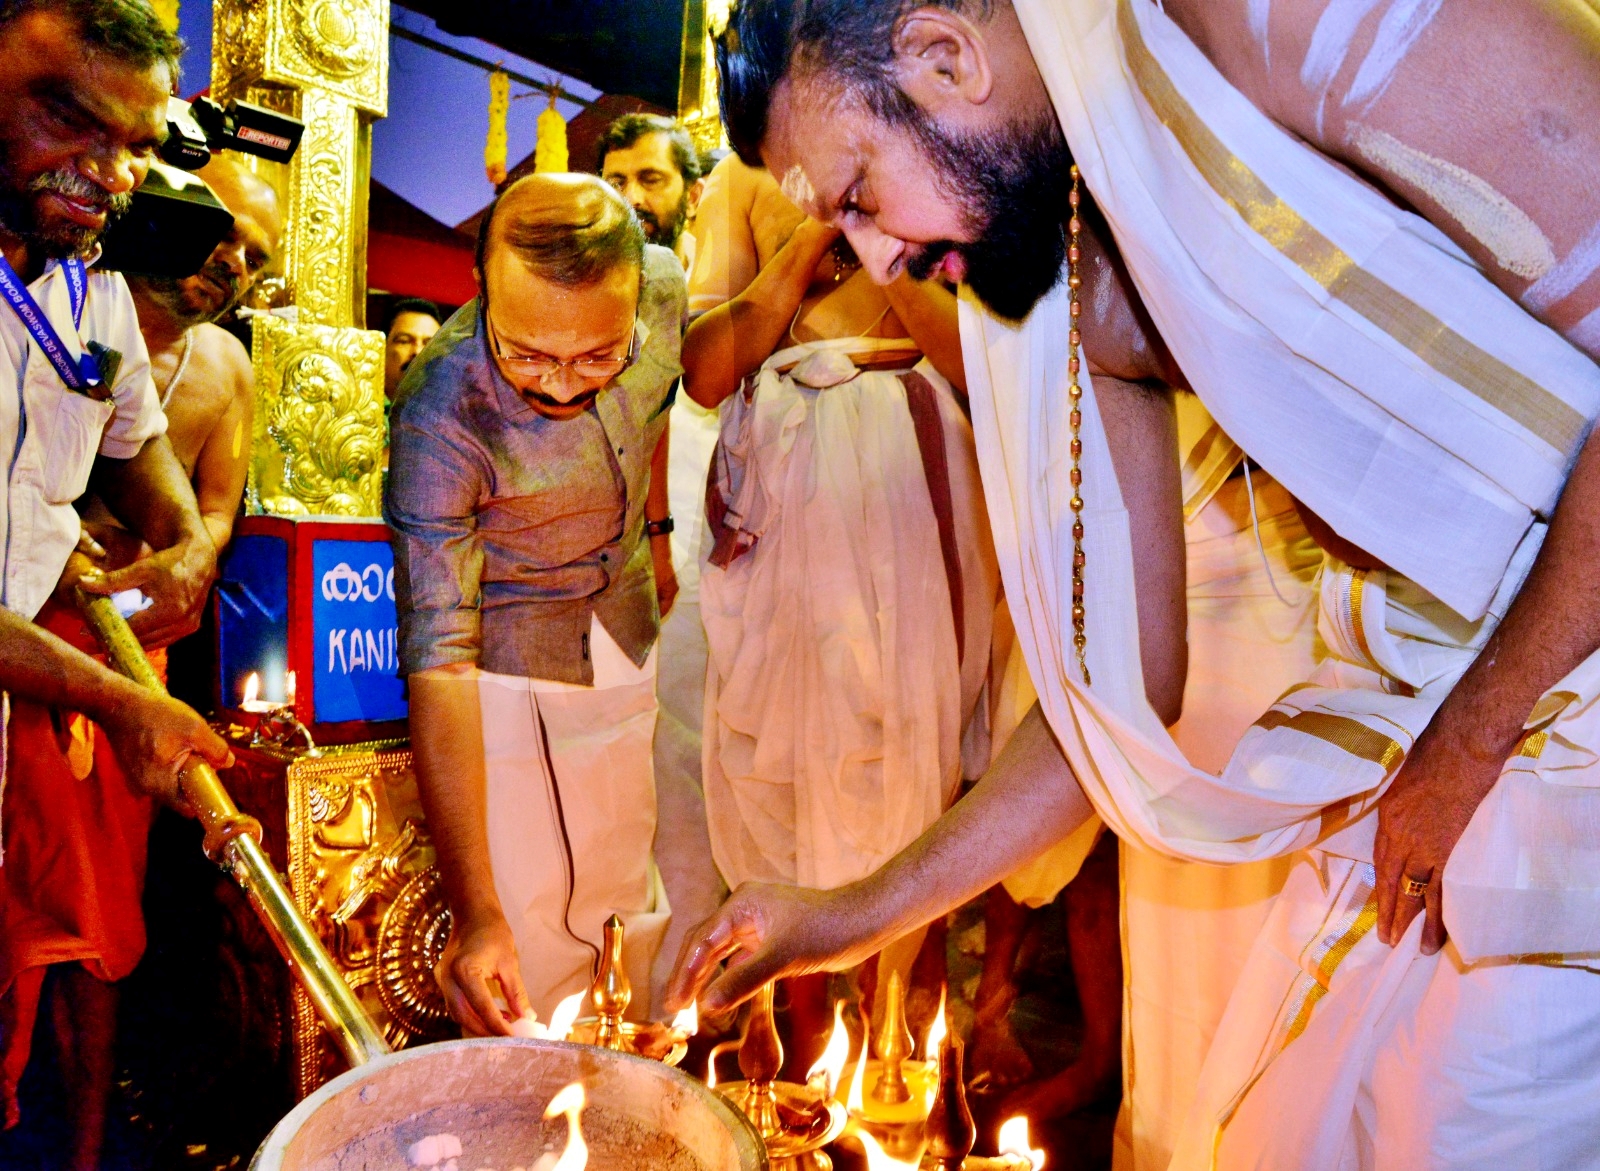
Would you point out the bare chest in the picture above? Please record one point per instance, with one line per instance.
(195, 394)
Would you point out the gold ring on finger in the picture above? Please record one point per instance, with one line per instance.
(1413, 888)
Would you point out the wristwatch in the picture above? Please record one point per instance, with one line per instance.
(658, 528)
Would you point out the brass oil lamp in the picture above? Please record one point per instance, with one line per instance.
(609, 996)
(794, 1121)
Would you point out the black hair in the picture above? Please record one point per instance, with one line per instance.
(850, 39)
(128, 30)
(630, 128)
(411, 305)
(571, 251)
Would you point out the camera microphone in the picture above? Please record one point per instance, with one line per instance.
(175, 220)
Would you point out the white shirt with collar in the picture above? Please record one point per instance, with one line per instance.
(50, 435)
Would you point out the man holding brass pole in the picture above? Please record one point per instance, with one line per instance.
(525, 522)
(83, 96)
(75, 830)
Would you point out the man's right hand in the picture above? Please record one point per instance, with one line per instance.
(767, 933)
(481, 950)
(154, 736)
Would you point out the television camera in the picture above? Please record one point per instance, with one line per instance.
(175, 219)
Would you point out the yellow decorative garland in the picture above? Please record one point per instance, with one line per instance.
(494, 149)
(167, 11)
(550, 151)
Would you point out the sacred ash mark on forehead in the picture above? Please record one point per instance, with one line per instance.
(797, 188)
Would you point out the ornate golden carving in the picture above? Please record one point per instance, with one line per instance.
(319, 413)
(238, 46)
(318, 439)
(336, 46)
(339, 38)
(374, 897)
(707, 132)
(411, 942)
(321, 238)
(698, 108)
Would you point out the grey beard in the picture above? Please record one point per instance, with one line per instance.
(19, 217)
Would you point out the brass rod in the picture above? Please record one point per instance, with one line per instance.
(233, 840)
(357, 1036)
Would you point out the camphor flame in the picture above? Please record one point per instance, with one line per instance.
(854, 1101)
(711, 1063)
(936, 1032)
(252, 689)
(288, 688)
(932, 1046)
(1014, 1141)
(878, 1159)
(688, 1021)
(565, 1014)
(570, 1102)
(830, 1066)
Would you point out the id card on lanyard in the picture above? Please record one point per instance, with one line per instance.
(82, 375)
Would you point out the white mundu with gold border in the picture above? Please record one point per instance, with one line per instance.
(1362, 359)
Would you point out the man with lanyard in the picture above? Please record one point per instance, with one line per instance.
(83, 92)
(76, 832)
(1424, 384)
(523, 515)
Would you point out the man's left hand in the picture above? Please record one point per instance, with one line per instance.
(1420, 820)
(666, 576)
(176, 580)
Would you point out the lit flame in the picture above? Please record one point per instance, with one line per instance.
(1014, 1141)
(936, 1033)
(687, 1021)
(932, 1049)
(570, 1102)
(563, 1018)
(711, 1063)
(830, 1066)
(252, 689)
(878, 1159)
(288, 689)
(854, 1100)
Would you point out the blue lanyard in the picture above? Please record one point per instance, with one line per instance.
(86, 372)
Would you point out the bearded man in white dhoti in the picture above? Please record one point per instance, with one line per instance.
(850, 582)
(1423, 384)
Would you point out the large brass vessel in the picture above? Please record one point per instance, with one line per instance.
(491, 1094)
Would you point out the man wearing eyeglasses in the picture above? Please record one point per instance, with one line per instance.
(520, 503)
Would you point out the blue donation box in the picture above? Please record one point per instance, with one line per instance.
(307, 605)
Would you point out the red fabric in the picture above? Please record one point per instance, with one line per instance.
(75, 850)
(409, 267)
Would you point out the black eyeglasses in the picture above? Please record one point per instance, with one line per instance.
(544, 367)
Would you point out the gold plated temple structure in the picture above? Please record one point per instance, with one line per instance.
(319, 427)
(697, 74)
